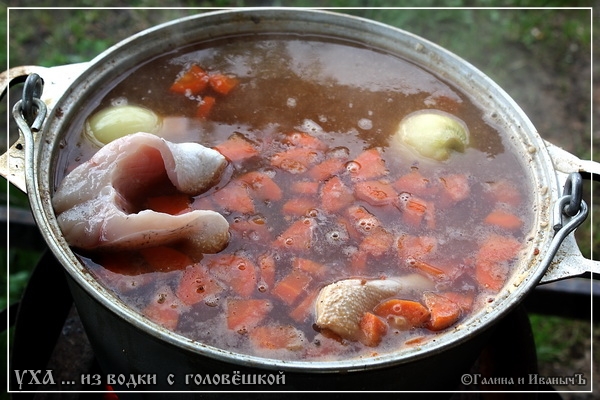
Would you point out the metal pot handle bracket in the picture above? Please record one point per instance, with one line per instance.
(563, 260)
(56, 80)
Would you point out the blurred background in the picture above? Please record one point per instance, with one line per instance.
(541, 56)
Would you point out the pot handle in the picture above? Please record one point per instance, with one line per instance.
(568, 262)
(56, 80)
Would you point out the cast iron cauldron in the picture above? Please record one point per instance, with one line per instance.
(127, 343)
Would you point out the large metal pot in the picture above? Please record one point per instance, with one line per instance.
(127, 343)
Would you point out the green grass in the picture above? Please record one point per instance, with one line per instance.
(553, 42)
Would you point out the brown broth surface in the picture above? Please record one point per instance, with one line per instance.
(351, 99)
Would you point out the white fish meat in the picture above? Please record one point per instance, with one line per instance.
(341, 305)
(95, 201)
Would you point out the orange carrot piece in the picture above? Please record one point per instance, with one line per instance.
(163, 309)
(312, 267)
(403, 314)
(238, 148)
(376, 193)
(327, 168)
(163, 258)
(295, 160)
(414, 211)
(444, 312)
(491, 275)
(373, 329)
(262, 185)
(245, 314)
(358, 262)
(425, 267)
(169, 204)
(362, 219)
(498, 248)
(456, 187)
(193, 81)
(235, 197)
(253, 227)
(205, 107)
(298, 236)
(304, 140)
(221, 83)
(504, 220)
(415, 246)
(239, 272)
(278, 337)
(291, 286)
(504, 191)
(416, 184)
(464, 300)
(335, 195)
(368, 165)
(267, 267)
(196, 284)
(305, 187)
(377, 242)
(303, 309)
(299, 206)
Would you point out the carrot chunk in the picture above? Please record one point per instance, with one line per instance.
(403, 314)
(239, 272)
(238, 148)
(443, 311)
(298, 236)
(305, 187)
(169, 204)
(205, 107)
(298, 206)
(363, 220)
(163, 308)
(196, 284)
(291, 286)
(416, 184)
(503, 219)
(296, 160)
(278, 337)
(377, 242)
(303, 309)
(193, 81)
(376, 193)
(368, 165)
(304, 140)
(327, 168)
(262, 185)
(425, 267)
(163, 258)
(504, 191)
(456, 187)
(335, 195)
(498, 248)
(490, 274)
(245, 314)
(253, 227)
(415, 246)
(373, 329)
(266, 265)
(235, 197)
(312, 267)
(221, 83)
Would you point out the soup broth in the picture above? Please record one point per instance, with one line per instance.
(315, 193)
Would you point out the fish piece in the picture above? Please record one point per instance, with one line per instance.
(96, 202)
(341, 305)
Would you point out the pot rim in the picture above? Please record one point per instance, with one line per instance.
(483, 91)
